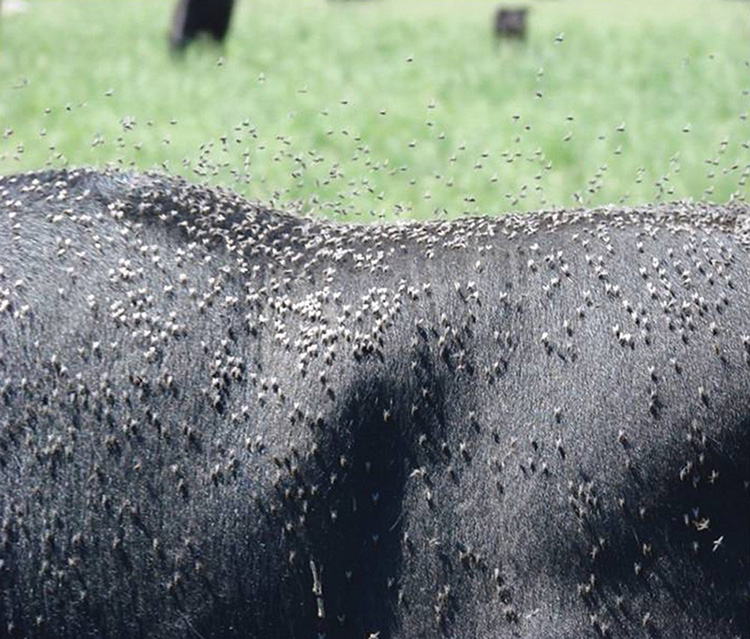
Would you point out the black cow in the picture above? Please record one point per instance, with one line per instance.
(218, 420)
(193, 17)
(510, 23)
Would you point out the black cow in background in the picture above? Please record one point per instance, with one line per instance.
(511, 23)
(193, 17)
(221, 421)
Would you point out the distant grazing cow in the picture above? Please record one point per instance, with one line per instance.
(221, 421)
(193, 17)
(510, 23)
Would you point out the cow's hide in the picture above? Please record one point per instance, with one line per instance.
(218, 420)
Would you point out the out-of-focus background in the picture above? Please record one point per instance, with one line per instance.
(391, 108)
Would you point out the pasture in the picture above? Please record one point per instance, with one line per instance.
(383, 109)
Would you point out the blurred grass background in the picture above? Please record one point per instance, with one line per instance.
(391, 108)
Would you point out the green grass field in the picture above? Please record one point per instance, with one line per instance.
(392, 107)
